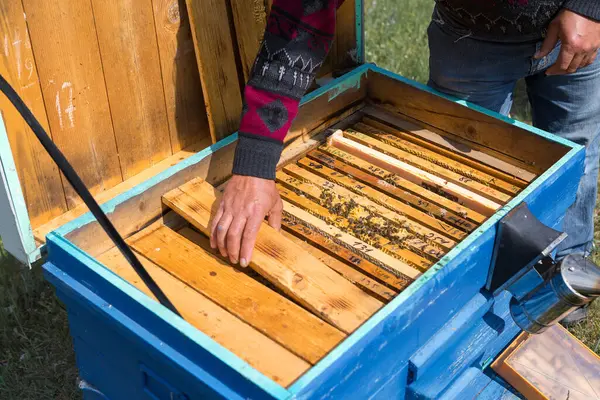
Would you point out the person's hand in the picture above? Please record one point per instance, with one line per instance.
(245, 203)
(579, 42)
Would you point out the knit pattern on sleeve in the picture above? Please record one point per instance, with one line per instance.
(297, 39)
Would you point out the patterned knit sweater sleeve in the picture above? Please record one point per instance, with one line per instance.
(297, 39)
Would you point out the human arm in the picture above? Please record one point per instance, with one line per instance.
(297, 39)
(577, 27)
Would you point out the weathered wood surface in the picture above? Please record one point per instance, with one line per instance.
(287, 266)
(70, 70)
(250, 19)
(415, 175)
(283, 321)
(215, 54)
(43, 190)
(254, 347)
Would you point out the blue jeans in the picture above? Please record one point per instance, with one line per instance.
(485, 73)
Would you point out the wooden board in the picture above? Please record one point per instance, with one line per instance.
(254, 347)
(551, 365)
(362, 281)
(380, 184)
(250, 19)
(294, 328)
(186, 113)
(43, 192)
(132, 73)
(415, 175)
(215, 55)
(320, 241)
(300, 275)
(70, 70)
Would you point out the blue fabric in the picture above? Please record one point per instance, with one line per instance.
(485, 73)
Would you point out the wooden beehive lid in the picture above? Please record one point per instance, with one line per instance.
(126, 91)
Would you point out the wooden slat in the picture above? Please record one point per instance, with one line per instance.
(215, 55)
(362, 281)
(345, 36)
(354, 224)
(393, 191)
(40, 179)
(379, 131)
(132, 72)
(382, 199)
(395, 180)
(362, 248)
(415, 175)
(288, 267)
(294, 328)
(427, 166)
(424, 138)
(70, 70)
(364, 207)
(320, 241)
(535, 151)
(41, 232)
(186, 113)
(250, 19)
(258, 350)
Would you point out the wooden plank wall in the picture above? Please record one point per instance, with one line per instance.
(115, 84)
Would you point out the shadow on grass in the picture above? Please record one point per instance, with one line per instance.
(36, 352)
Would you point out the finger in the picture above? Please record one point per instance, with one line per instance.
(222, 229)
(275, 216)
(213, 227)
(576, 63)
(591, 58)
(234, 238)
(249, 239)
(562, 64)
(549, 42)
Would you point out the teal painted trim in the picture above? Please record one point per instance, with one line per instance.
(16, 230)
(360, 30)
(405, 295)
(170, 318)
(339, 85)
(475, 107)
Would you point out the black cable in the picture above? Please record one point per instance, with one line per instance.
(83, 192)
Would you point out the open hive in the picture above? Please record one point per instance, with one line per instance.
(367, 210)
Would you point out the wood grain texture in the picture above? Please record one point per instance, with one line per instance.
(387, 122)
(250, 19)
(382, 199)
(402, 142)
(255, 304)
(41, 232)
(396, 180)
(359, 221)
(288, 267)
(72, 80)
(375, 255)
(320, 241)
(39, 176)
(345, 36)
(254, 347)
(536, 152)
(215, 54)
(415, 175)
(133, 78)
(551, 365)
(441, 171)
(384, 187)
(186, 113)
(362, 281)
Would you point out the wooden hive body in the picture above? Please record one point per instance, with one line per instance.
(432, 175)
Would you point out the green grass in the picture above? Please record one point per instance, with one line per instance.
(36, 355)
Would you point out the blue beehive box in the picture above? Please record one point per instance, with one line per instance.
(434, 340)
